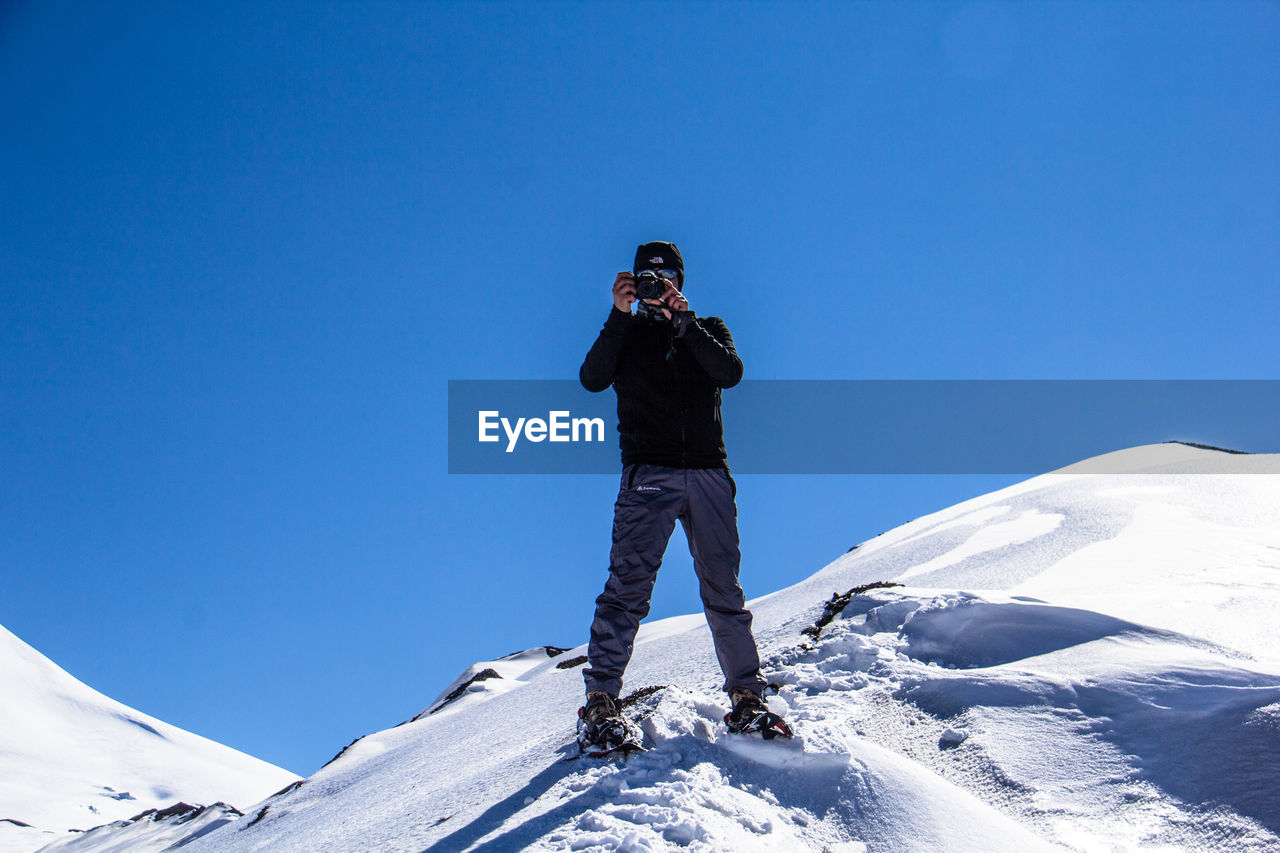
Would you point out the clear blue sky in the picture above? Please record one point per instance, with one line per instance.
(243, 248)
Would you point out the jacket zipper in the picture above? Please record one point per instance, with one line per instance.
(675, 373)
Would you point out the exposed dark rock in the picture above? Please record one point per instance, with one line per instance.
(174, 810)
(293, 786)
(551, 651)
(642, 693)
(637, 698)
(178, 813)
(14, 822)
(482, 675)
(1210, 447)
(838, 602)
(211, 827)
(341, 752)
(184, 812)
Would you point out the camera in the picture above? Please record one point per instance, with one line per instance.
(650, 285)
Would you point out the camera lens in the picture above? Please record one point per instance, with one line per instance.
(649, 285)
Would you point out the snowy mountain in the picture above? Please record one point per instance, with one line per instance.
(72, 758)
(1081, 661)
(154, 829)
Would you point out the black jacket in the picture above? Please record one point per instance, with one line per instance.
(668, 387)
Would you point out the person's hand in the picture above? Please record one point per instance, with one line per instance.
(674, 299)
(624, 292)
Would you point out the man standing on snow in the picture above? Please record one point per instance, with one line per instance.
(667, 367)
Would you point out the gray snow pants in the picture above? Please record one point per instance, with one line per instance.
(650, 500)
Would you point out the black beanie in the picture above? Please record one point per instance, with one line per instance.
(659, 256)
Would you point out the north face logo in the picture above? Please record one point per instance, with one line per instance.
(657, 261)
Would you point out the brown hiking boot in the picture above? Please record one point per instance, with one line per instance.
(751, 714)
(600, 707)
(746, 701)
(603, 730)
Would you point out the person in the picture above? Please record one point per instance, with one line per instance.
(668, 368)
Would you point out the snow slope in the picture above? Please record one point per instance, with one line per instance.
(1080, 661)
(71, 758)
